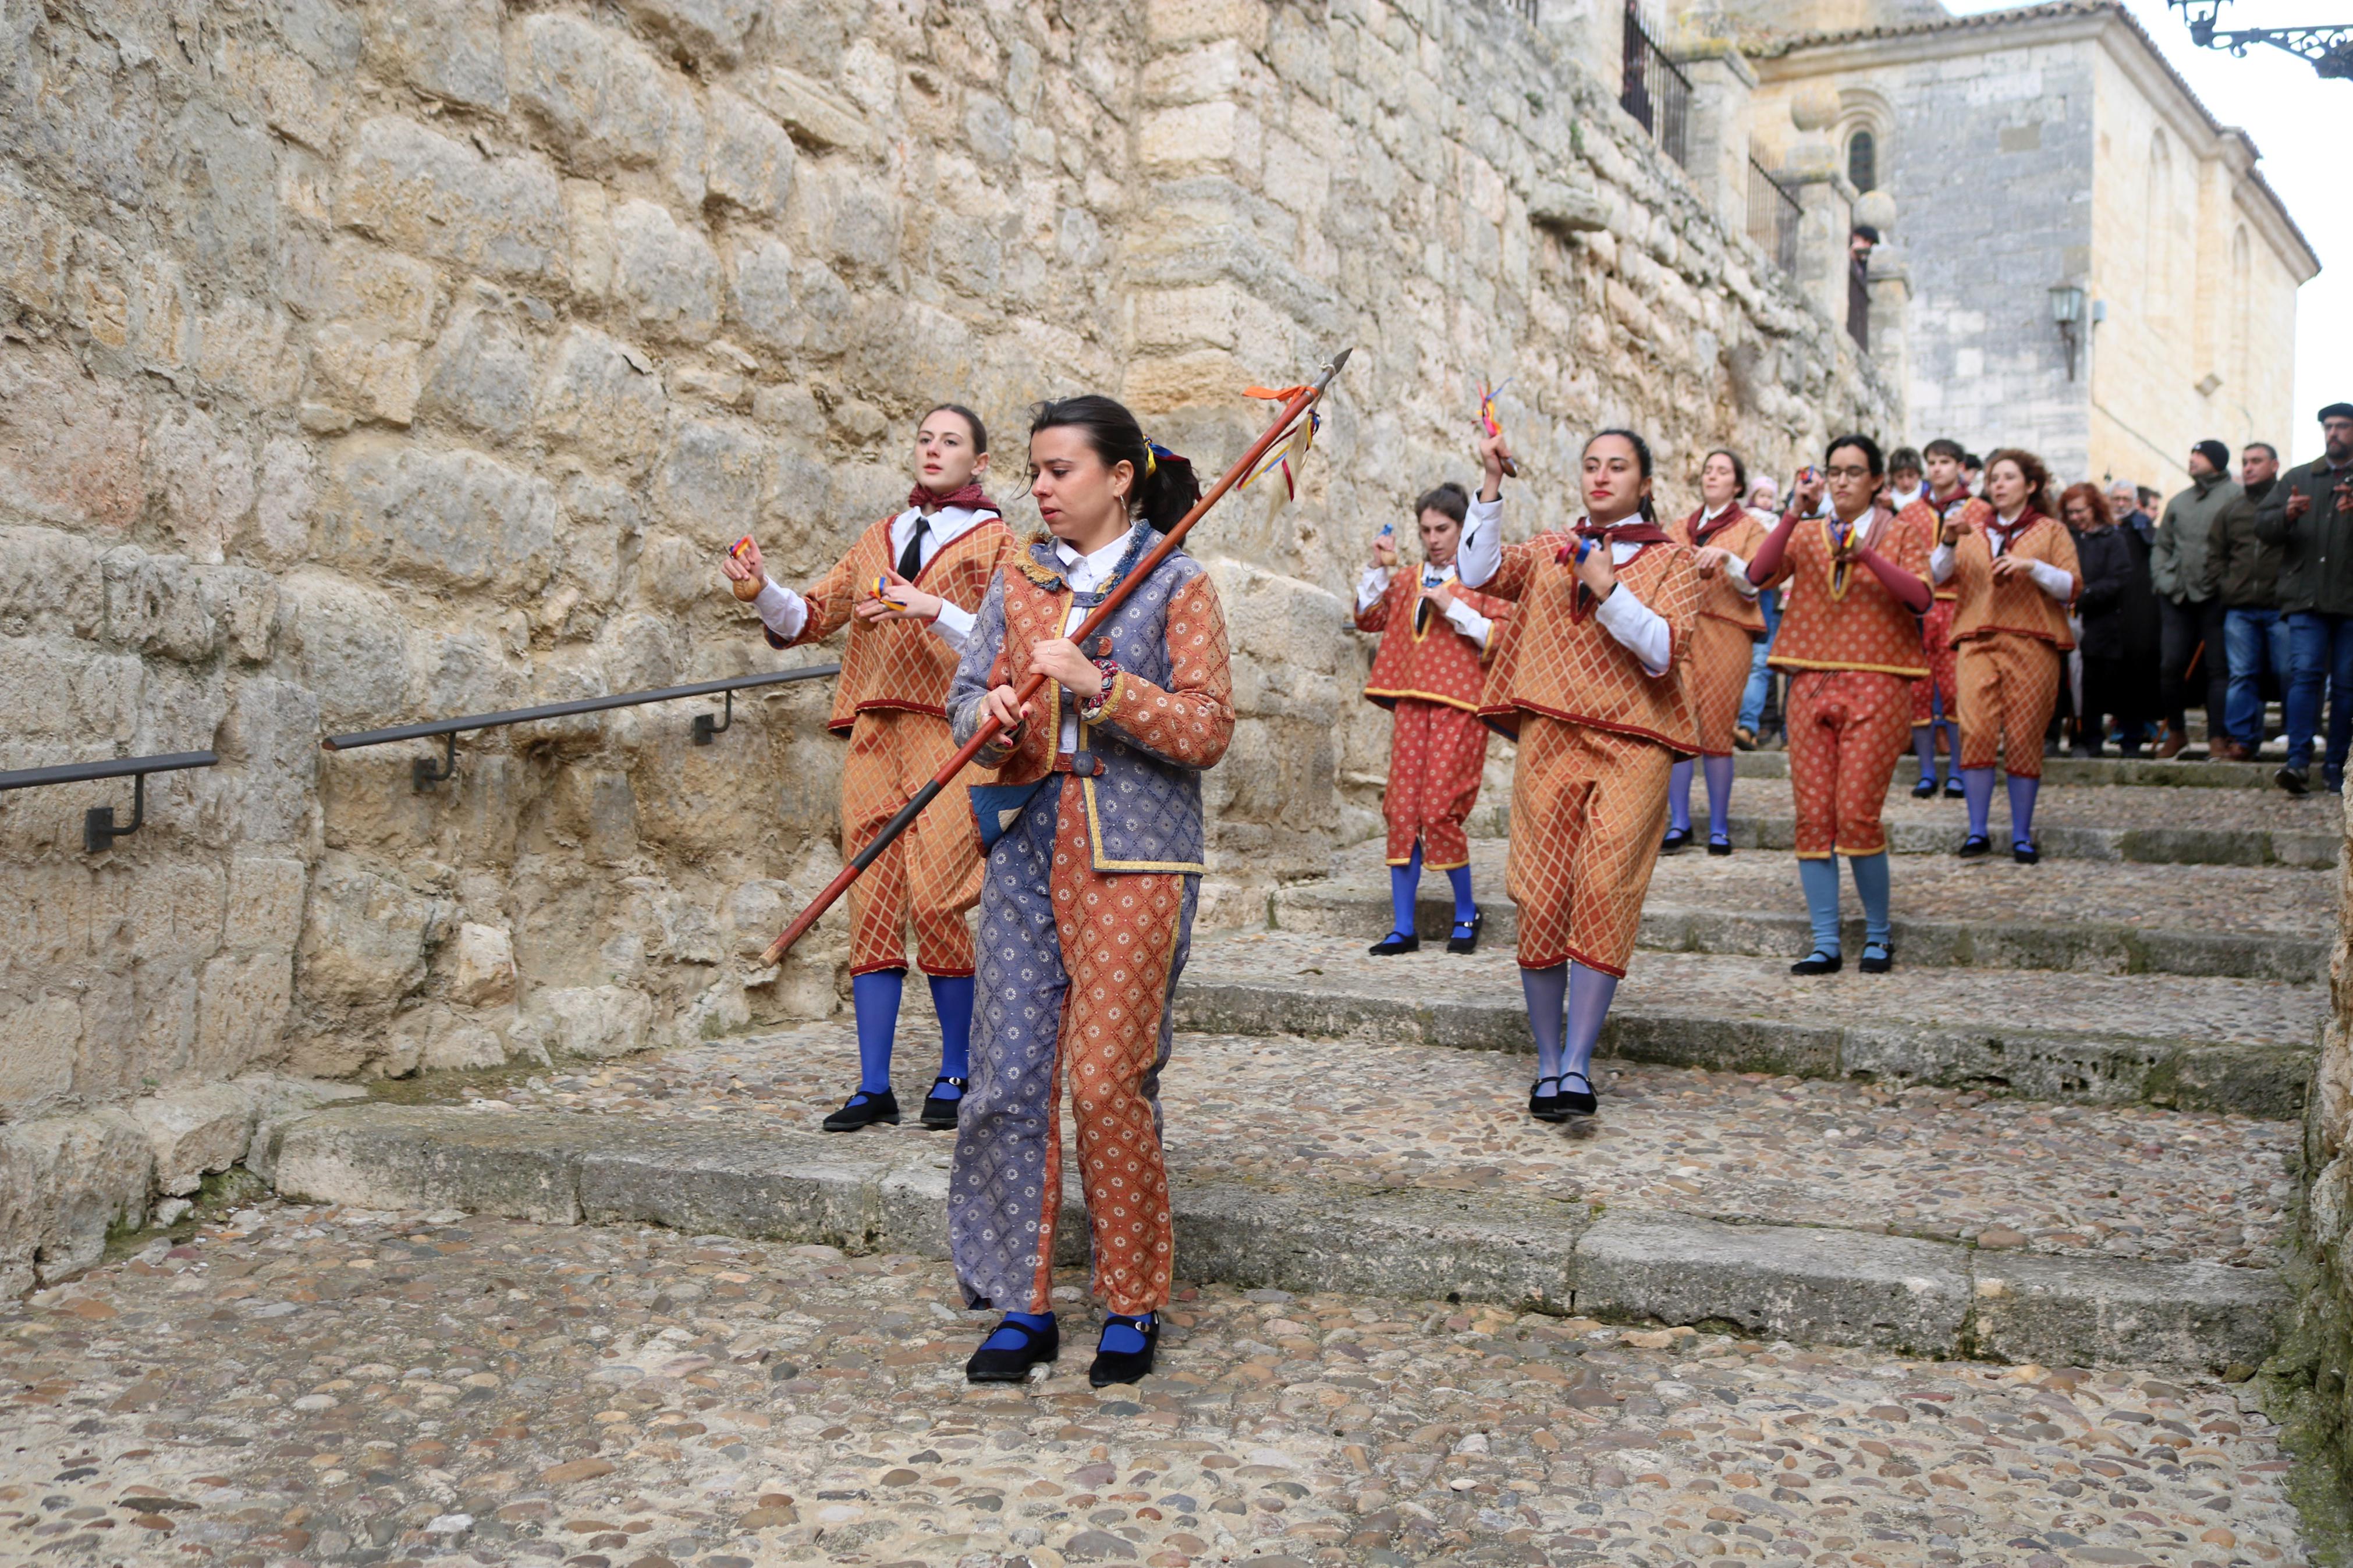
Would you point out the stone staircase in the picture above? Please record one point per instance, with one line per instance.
(2061, 1132)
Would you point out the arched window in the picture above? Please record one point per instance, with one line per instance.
(1862, 161)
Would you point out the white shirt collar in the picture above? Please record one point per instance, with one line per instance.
(1436, 573)
(1094, 566)
(1706, 516)
(948, 524)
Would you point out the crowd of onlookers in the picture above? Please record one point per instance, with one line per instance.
(2230, 593)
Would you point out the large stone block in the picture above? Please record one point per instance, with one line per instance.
(65, 1182)
(603, 398)
(376, 378)
(427, 194)
(481, 373)
(749, 159)
(711, 30)
(441, 519)
(2114, 1312)
(479, 967)
(449, 49)
(665, 274)
(155, 604)
(50, 581)
(69, 443)
(207, 480)
(192, 1132)
(364, 936)
(597, 1020)
(242, 1006)
(818, 117)
(710, 480)
(760, 302)
(37, 1043)
(609, 102)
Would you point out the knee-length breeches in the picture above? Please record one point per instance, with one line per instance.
(1846, 727)
(1936, 642)
(1436, 756)
(931, 874)
(2010, 684)
(1588, 809)
(1076, 970)
(1717, 678)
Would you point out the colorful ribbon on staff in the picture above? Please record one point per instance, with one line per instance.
(1288, 455)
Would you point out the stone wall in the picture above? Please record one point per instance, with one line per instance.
(372, 362)
(2312, 1380)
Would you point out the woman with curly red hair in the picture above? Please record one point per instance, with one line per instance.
(2014, 577)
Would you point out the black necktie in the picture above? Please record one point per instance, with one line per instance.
(911, 560)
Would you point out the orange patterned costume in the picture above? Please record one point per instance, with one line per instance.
(1731, 623)
(1936, 626)
(1429, 674)
(1851, 647)
(1596, 737)
(2009, 637)
(891, 701)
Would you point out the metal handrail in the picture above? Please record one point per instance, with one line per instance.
(98, 830)
(425, 774)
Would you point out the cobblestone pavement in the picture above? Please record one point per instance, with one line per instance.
(2265, 899)
(2117, 1181)
(2157, 1006)
(305, 1385)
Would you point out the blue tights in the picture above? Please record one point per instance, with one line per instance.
(1821, 880)
(1567, 1004)
(1404, 885)
(875, 998)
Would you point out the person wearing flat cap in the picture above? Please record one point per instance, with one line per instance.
(2309, 515)
(2189, 611)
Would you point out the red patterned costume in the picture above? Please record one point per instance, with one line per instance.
(1851, 647)
(891, 701)
(2009, 637)
(1730, 625)
(1928, 515)
(1597, 735)
(1429, 674)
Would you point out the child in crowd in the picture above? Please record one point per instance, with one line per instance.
(1722, 534)
(1936, 700)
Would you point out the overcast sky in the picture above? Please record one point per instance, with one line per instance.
(2278, 99)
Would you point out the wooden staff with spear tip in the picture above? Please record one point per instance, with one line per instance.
(1293, 409)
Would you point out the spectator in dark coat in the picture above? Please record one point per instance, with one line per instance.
(2243, 571)
(2306, 516)
(2120, 637)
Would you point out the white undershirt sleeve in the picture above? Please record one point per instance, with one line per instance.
(1482, 555)
(1470, 622)
(1740, 582)
(2059, 585)
(1371, 587)
(953, 625)
(783, 611)
(1940, 563)
(1641, 629)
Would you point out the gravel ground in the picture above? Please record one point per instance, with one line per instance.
(2122, 1182)
(2147, 1006)
(2251, 900)
(307, 1386)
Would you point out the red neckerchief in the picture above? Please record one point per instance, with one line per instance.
(1702, 529)
(1637, 532)
(969, 498)
(2009, 532)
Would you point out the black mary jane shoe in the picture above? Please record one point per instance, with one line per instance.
(864, 1110)
(2025, 853)
(1575, 1101)
(1677, 840)
(1458, 942)
(1126, 1366)
(1819, 962)
(1956, 790)
(1546, 1107)
(1975, 847)
(1878, 958)
(1924, 790)
(1718, 846)
(939, 1115)
(1394, 944)
(1038, 1347)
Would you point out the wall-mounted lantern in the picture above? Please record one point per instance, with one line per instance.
(2067, 314)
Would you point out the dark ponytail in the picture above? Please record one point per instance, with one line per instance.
(1642, 455)
(1165, 487)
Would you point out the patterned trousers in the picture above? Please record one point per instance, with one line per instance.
(1936, 642)
(1846, 727)
(931, 873)
(1437, 754)
(1076, 969)
(1587, 810)
(2009, 686)
(1717, 678)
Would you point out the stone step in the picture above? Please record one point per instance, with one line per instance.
(2092, 947)
(741, 1174)
(2177, 1042)
(2190, 771)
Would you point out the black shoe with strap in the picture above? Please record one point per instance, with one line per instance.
(1819, 962)
(939, 1113)
(1394, 944)
(1123, 1365)
(864, 1110)
(1717, 844)
(1955, 789)
(1465, 937)
(2024, 852)
(1878, 957)
(1010, 1362)
(1924, 789)
(1676, 841)
(1546, 1107)
(1974, 845)
(1578, 1102)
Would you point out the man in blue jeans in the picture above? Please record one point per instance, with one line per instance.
(2309, 515)
(2242, 572)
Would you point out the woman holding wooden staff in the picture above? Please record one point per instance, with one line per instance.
(1086, 908)
(2013, 579)
(911, 582)
(1723, 535)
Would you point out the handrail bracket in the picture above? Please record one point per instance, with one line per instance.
(424, 776)
(98, 830)
(707, 730)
